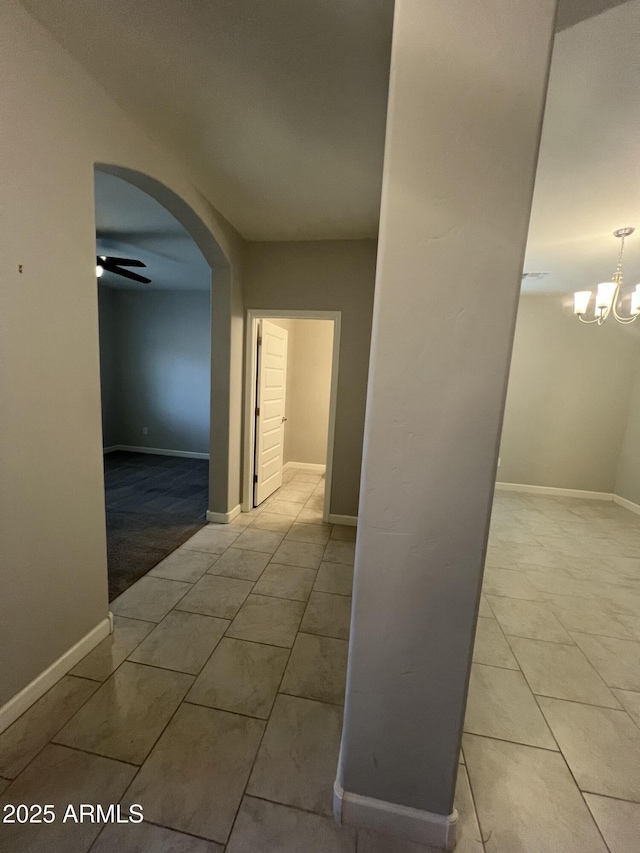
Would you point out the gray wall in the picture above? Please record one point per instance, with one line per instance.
(308, 393)
(155, 362)
(627, 483)
(52, 522)
(330, 276)
(109, 380)
(568, 398)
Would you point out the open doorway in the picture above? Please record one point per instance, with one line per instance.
(291, 383)
(155, 362)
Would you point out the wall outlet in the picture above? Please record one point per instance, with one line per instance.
(498, 461)
(145, 431)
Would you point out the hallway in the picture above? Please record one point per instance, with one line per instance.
(261, 714)
(217, 703)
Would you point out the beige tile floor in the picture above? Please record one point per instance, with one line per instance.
(552, 731)
(217, 703)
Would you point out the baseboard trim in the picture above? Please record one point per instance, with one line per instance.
(347, 520)
(157, 451)
(415, 825)
(223, 517)
(307, 466)
(554, 491)
(627, 504)
(23, 700)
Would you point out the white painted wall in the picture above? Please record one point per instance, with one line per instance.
(568, 398)
(308, 393)
(466, 98)
(326, 276)
(155, 359)
(57, 122)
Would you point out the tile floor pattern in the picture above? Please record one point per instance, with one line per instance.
(217, 703)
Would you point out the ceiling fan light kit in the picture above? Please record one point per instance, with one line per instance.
(106, 263)
(608, 293)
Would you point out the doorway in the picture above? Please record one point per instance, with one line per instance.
(291, 377)
(154, 306)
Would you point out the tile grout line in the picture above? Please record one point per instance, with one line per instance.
(504, 637)
(51, 739)
(86, 751)
(562, 698)
(514, 742)
(473, 799)
(278, 693)
(264, 731)
(180, 704)
(100, 683)
(611, 797)
(575, 781)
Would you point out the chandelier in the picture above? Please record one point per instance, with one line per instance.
(608, 293)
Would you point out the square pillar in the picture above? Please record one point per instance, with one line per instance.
(467, 90)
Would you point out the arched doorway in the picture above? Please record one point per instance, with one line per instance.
(167, 410)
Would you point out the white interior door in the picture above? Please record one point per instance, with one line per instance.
(270, 399)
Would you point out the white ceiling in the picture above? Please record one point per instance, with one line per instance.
(279, 108)
(571, 12)
(131, 224)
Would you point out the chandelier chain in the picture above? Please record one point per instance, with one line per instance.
(619, 267)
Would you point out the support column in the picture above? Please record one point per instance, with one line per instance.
(467, 89)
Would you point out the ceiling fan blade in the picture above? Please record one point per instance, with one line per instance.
(121, 262)
(127, 274)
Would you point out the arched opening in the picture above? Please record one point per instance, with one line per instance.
(164, 372)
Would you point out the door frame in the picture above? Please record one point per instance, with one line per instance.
(250, 368)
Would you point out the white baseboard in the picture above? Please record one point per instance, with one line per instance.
(23, 700)
(553, 491)
(627, 504)
(347, 520)
(307, 466)
(400, 821)
(223, 517)
(157, 451)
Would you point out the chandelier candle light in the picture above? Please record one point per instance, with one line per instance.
(608, 293)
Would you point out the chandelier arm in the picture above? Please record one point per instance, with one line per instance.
(621, 319)
(617, 277)
(626, 320)
(618, 280)
(587, 322)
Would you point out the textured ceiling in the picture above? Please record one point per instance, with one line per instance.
(131, 224)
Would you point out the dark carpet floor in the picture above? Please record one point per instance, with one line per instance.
(154, 504)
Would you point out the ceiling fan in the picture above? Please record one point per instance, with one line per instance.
(115, 265)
